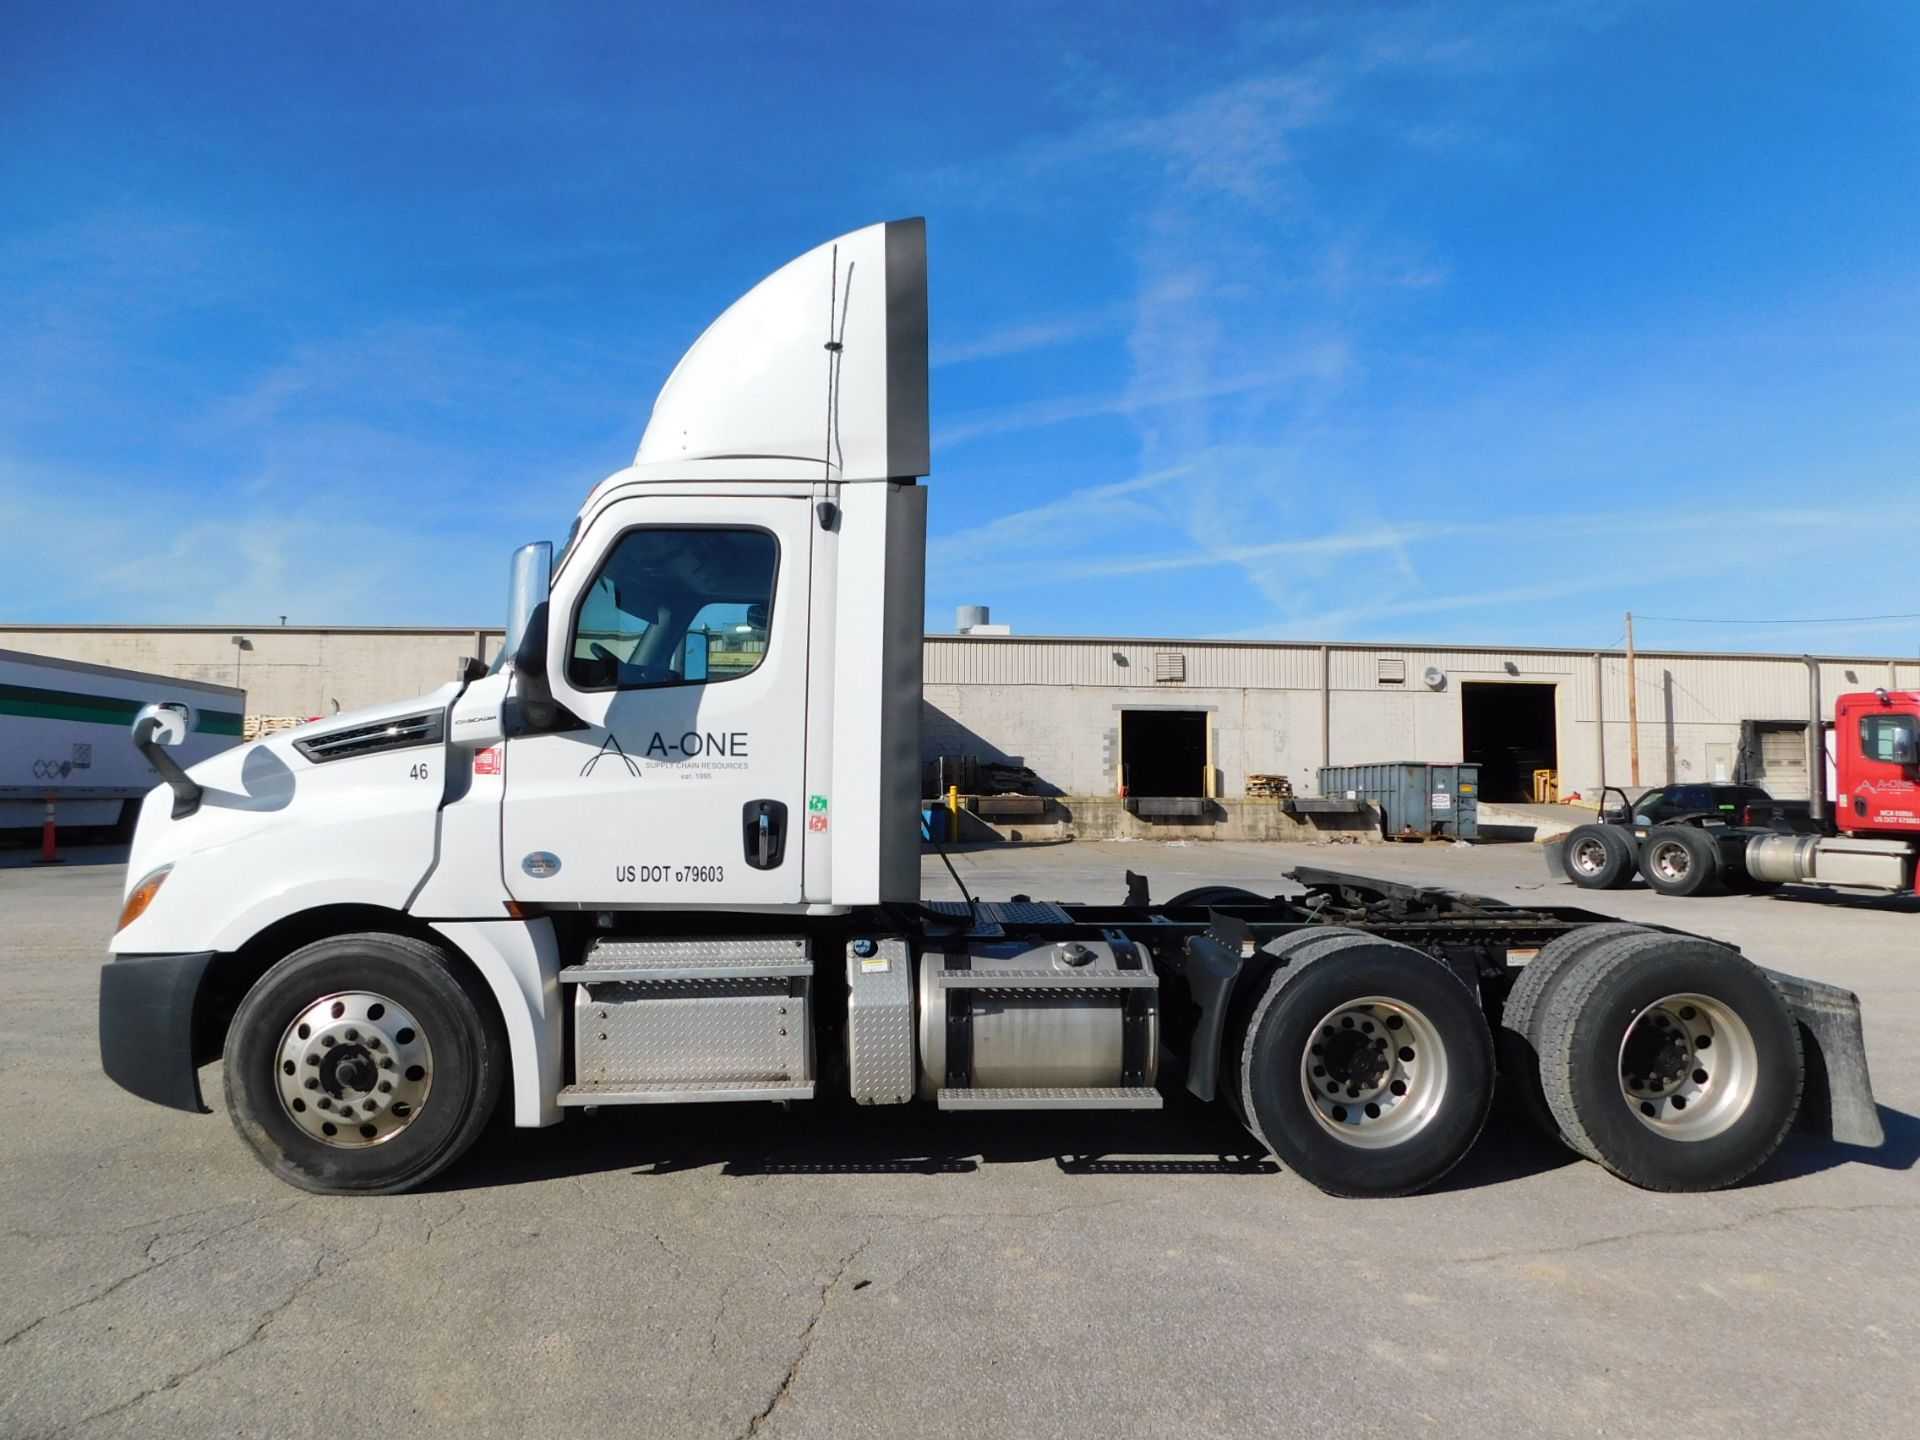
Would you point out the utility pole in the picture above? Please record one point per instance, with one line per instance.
(1633, 705)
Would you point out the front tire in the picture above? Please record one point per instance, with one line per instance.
(1367, 1068)
(362, 1065)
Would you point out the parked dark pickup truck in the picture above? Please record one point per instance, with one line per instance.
(1733, 804)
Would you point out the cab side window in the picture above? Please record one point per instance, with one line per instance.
(1890, 739)
(676, 606)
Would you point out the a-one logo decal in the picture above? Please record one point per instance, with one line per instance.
(541, 865)
(728, 743)
(611, 746)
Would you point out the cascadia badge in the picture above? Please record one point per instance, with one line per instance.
(541, 864)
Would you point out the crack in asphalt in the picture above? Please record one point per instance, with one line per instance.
(1681, 1233)
(152, 1264)
(805, 1349)
(156, 1226)
(327, 1264)
(174, 1382)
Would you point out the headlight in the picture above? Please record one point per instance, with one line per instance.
(142, 897)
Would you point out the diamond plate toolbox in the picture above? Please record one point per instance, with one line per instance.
(880, 1023)
(728, 1026)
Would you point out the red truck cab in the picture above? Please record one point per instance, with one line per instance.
(1877, 763)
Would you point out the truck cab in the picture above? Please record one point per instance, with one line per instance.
(708, 705)
(1877, 739)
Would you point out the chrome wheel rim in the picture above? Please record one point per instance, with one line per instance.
(1670, 860)
(1374, 1072)
(353, 1069)
(1589, 856)
(1688, 1067)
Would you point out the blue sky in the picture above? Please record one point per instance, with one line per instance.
(1476, 323)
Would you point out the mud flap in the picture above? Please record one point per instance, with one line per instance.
(1838, 1096)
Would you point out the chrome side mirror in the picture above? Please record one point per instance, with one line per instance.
(171, 723)
(528, 584)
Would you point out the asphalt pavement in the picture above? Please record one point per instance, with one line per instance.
(738, 1271)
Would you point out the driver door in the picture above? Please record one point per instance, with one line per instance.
(677, 636)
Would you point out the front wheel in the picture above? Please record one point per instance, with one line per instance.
(1367, 1068)
(361, 1065)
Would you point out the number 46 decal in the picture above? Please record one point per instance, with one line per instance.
(420, 772)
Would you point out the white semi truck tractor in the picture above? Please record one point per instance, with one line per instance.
(667, 852)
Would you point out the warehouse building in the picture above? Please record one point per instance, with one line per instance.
(1168, 717)
(1200, 716)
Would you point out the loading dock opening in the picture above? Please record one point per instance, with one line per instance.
(1163, 752)
(1509, 732)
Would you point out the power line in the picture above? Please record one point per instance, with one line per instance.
(1823, 620)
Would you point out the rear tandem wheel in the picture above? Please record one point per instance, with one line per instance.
(1366, 1066)
(1672, 1061)
(1599, 857)
(1517, 1041)
(1681, 860)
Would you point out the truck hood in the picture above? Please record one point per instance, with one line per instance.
(266, 783)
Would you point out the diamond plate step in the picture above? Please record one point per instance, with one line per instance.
(1006, 912)
(684, 1092)
(1118, 1097)
(642, 962)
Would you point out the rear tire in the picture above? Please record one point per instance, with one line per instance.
(394, 1097)
(1680, 860)
(1366, 1067)
(1598, 857)
(1674, 1062)
(1517, 1042)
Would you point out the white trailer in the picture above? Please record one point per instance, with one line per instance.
(63, 737)
(667, 852)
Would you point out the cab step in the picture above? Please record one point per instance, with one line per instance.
(1117, 1097)
(656, 962)
(684, 1092)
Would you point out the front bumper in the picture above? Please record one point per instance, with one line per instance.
(146, 1026)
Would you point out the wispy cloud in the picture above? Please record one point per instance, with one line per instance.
(1072, 542)
(1093, 515)
(1316, 362)
(1024, 337)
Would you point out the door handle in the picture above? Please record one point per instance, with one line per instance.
(763, 827)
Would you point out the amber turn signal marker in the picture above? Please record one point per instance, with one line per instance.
(142, 897)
